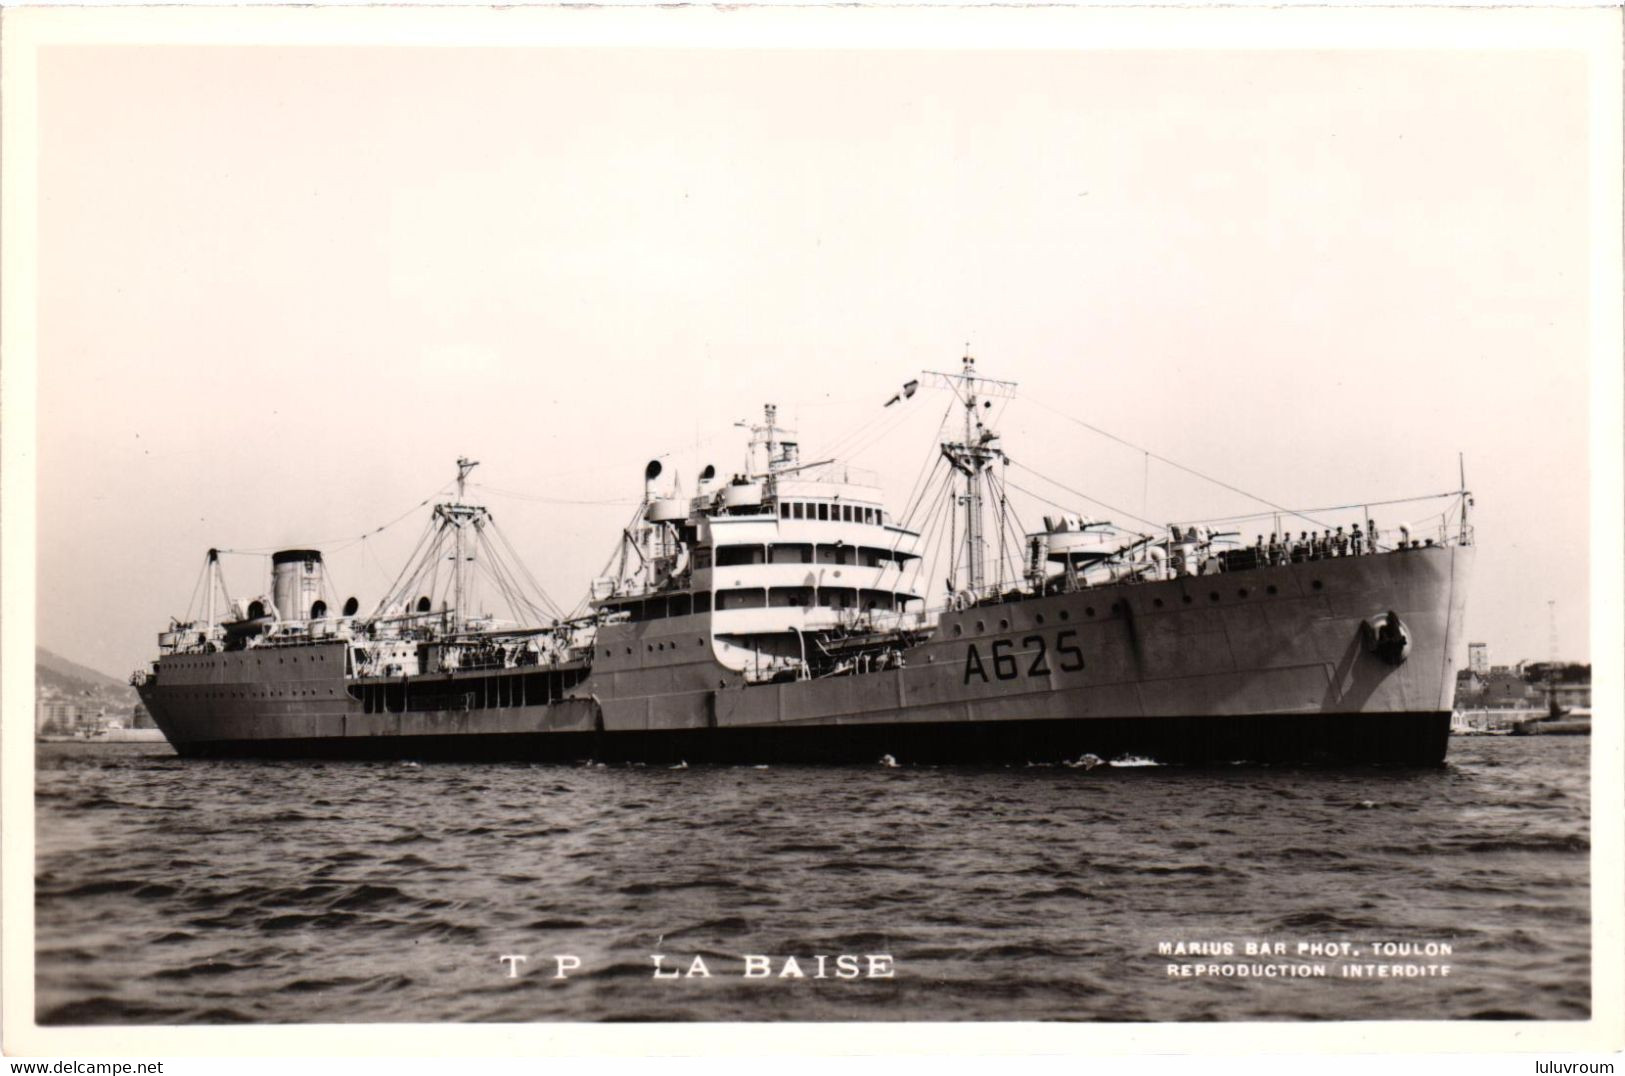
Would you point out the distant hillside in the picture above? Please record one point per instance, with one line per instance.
(73, 678)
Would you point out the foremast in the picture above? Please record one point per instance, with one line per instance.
(459, 517)
(972, 456)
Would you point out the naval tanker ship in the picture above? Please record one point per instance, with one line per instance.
(780, 614)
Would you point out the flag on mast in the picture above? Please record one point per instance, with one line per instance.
(909, 388)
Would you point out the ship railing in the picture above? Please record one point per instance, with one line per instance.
(1119, 569)
(881, 620)
(840, 474)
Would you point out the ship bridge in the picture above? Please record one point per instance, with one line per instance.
(778, 552)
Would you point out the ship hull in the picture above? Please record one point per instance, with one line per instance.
(1409, 739)
(1278, 664)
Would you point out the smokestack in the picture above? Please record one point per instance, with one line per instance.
(296, 582)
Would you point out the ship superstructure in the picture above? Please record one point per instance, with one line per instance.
(781, 613)
(792, 562)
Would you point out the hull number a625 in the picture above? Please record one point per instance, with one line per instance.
(1005, 662)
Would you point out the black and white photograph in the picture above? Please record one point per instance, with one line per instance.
(1082, 520)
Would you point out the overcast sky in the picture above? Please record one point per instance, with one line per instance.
(282, 289)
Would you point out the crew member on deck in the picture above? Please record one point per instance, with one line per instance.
(1342, 543)
(1357, 541)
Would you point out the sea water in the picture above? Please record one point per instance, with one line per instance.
(179, 891)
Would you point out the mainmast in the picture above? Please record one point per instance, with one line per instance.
(457, 516)
(770, 451)
(971, 457)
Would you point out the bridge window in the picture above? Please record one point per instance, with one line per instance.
(837, 554)
(800, 510)
(741, 598)
(702, 602)
(823, 510)
(791, 553)
(838, 597)
(733, 555)
(784, 510)
(876, 558)
(846, 513)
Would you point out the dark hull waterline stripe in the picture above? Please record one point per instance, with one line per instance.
(1399, 739)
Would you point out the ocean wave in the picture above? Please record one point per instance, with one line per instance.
(1002, 893)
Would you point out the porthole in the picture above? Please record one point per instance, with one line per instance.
(1065, 614)
(1039, 619)
(1186, 599)
(1315, 585)
(1004, 625)
(1089, 611)
(1271, 589)
(958, 630)
(980, 627)
(650, 647)
(1213, 597)
(1242, 593)
(1157, 602)
(1117, 607)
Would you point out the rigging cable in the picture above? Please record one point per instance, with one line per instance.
(347, 540)
(1077, 493)
(522, 575)
(427, 548)
(192, 601)
(923, 479)
(936, 532)
(548, 603)
(852, 435)
(500, 575)
(546, 500)
(1334, 508)
(1012, 523)
(889, 425)
(917, 496)
(1172, 463)
(400, 578)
